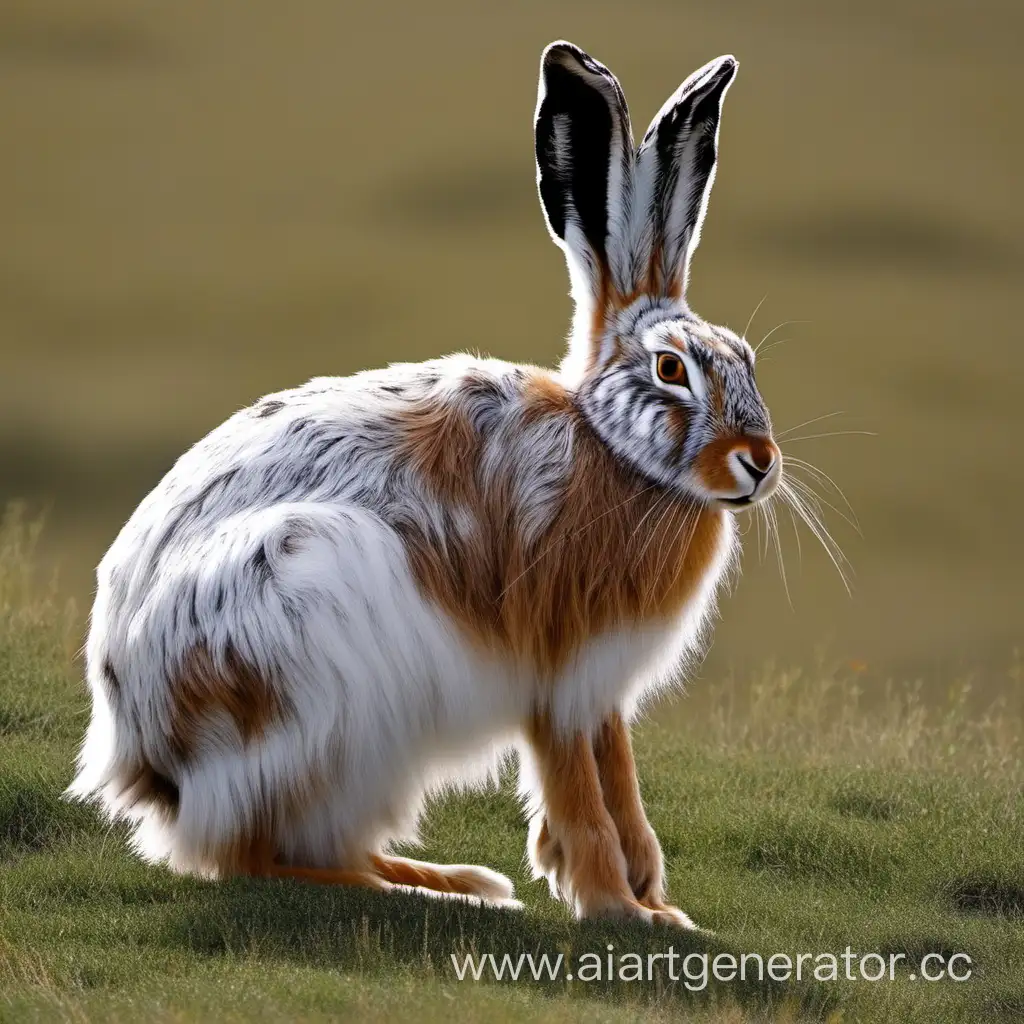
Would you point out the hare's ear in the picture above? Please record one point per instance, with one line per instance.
(675, 172)
(585, 162)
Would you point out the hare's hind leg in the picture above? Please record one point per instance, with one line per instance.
(382, 873)
(257, 858)
(452, 879)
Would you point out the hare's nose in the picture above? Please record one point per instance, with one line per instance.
(758, 457)
(757, 474)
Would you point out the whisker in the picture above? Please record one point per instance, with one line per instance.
(655, 576)
(777, 327)
(833, 433)
(767, 531)
(752, 315)
(814, 523)
(757, 524)
(762, 356)
(770, 514)
(796, 533)
(669, 509)
(820, 475)
(695, 513)
(655, 505)
(809, 491)
(808, 506)
(806, 423)
(666, 497)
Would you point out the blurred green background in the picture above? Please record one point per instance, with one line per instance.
(200, 203)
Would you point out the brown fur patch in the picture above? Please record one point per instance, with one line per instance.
(712, 464)
(544, 396)
(658, 282)
(439, 440)
(618, 550)
(654, 269)
(609, 301)
(206, 688)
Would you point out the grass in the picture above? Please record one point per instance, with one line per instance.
(798, 813)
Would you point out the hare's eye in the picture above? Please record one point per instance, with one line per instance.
(671, 369)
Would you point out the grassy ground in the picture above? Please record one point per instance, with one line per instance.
(793, 820)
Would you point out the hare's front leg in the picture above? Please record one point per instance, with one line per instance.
(592, 874)
(645, 866)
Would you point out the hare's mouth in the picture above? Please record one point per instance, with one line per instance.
(763, 489)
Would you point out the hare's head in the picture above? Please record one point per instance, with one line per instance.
(669, 393)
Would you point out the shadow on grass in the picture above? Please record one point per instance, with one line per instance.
(915, 947)
(819, 849)
(34, 818)
(368, 932)
(989, 896)
(1004, 1007)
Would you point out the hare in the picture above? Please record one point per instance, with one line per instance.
(366, 588)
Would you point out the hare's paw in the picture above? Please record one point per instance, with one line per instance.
(645, 865)
(595, 877)
(592, 878)
(617, 906)
(667, 914)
